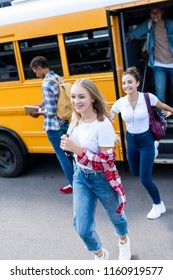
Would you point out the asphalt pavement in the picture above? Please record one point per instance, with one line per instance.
(36, 221)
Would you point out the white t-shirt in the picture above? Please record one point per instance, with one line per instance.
(93, 135)
(136, 120)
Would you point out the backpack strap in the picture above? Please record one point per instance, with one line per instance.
(53, 80)
(59, 81)
(147, 100)
(56, 82)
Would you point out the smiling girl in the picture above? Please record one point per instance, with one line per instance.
(92, 139)
(140, 141)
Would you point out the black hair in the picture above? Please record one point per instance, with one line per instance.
(39, 61)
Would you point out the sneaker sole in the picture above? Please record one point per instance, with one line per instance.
(156, 216)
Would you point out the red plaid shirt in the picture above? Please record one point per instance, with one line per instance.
(105, 161)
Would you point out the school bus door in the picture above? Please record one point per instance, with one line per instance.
(120, 20)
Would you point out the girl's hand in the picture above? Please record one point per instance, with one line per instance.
(66, 143)
(166, 113)
(128, 38)
(69, 145)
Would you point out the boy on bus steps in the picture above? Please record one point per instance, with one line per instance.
(54, 126)
(160, 49)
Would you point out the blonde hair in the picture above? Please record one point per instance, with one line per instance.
(100, 105)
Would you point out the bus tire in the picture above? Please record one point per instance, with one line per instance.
(11, 157)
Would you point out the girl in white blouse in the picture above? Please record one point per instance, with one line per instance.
(140, 141)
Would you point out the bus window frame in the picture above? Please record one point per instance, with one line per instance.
(7, 53)
(55, 46)
(77, 68)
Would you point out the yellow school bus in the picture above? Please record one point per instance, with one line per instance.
(79, 39)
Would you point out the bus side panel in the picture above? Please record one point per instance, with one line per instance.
(14, 118)
(55, 25)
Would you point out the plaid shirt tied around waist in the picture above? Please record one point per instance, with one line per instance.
(105, 161)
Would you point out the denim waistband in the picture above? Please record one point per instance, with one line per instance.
(137, 134)
(87, 171)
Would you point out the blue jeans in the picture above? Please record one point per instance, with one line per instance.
(160, 80)
(54, 137)
(88, 187)
(140, 152)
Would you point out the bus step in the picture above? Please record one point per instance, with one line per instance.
(164, 159)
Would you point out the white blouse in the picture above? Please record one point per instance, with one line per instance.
(136, 120)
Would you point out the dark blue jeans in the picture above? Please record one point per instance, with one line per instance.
(140, 151)
(160, 79)
(54, 137)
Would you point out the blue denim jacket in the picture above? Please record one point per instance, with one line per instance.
(142, 30)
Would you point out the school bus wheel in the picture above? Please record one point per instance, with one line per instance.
(12, 160)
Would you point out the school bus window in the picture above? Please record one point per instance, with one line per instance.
(88, 52)
(8, 67)
(44, 46)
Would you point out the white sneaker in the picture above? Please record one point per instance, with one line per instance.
(156, 145)
(105, 256)
(156, 211)
(124, 250)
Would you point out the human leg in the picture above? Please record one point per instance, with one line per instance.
(87, 188)
(146, 146)
(84, 206)
(160, 79)
(141, 151)
(109, 200)
(170, 72)
(54, 137)
(133, 154)
(147, 156)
